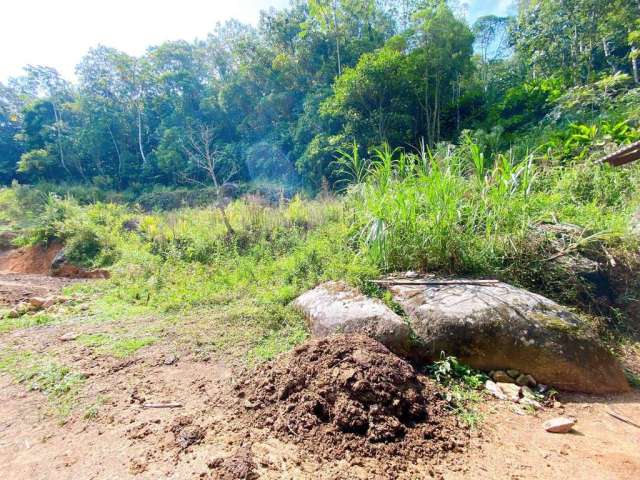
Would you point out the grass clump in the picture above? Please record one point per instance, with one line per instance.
(113, 345)
(464, 387)
(40, 373)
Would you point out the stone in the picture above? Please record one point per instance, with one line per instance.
(559, 425)
(170, 359)
(13, 313)
(513, 373)
(69, 336)
(502, 377)
(526, 392)
(335, 307)
(488, 326)
(491, 387)
(37, 302)
(530, 402)
(511, 391)
(526, 380)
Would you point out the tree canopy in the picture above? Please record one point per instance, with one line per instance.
(274, 102)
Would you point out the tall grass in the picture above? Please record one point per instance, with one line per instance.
(447, 210)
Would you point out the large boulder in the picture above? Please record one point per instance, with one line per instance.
(498, 326)
(335, 307)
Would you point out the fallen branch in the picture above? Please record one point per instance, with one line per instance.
(622, 418)
(162, 405)
(435, 282)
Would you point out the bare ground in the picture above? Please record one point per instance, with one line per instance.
(111, 435)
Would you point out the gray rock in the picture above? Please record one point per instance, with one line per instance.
(491, 387)
(502, 377)
(559, 425)
(335, 307)
(526, 380)
(513, 373)
(511, 391)
(490, 326)
(530, 402)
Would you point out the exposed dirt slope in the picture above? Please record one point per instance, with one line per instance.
(31, 260)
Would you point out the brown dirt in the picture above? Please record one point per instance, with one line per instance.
(349, 395)
(29, 260)
(16, 288)
(213, 436)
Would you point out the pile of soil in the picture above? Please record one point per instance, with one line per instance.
(347, 396)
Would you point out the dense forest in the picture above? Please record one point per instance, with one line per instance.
(276, 101)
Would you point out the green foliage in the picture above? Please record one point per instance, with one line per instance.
(449, 370)
(463, 387)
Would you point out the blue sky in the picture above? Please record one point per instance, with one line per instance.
(59, 32)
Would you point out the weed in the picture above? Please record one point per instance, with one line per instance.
(40, 373)
(450, 370)
(112, 345)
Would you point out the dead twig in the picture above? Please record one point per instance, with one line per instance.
(622, 418)
(162, 405)
(435, 282)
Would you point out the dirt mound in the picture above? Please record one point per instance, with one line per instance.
(32, 260)
(348, 395)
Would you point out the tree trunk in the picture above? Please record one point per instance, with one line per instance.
(337, 36)
(57, 117)
(115, 144)
(144, 158)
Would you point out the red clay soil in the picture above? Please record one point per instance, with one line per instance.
(348, 396)
(31, 260)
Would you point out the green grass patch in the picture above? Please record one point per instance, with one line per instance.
(8, 324)
(108, 344)
(40, 373)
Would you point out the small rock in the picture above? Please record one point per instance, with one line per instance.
(25, 308)
(511, 390)
(491, 387)
(37, 302)
(513, 373)
(13, 313)
(542, 389)
(560, 425)
(69, 336)
(170, 359)
(411, 274)
(530, 402)
(50, 302)
(526, 380)
(500, 376)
